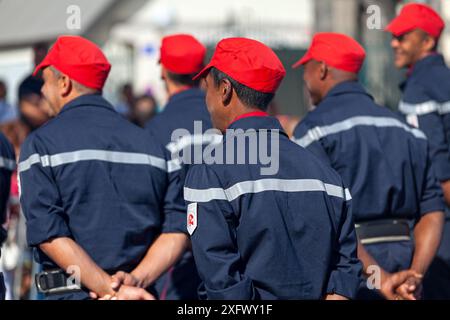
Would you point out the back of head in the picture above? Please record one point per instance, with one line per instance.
(332, 58)
(79, 59)
(336, 50)
(253, 69)
(182, 56)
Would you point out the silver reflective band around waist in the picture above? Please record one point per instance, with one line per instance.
(7, 164)
(99, 155)
(317, 133)
(423, 108)
(375, 240)
(255, 186)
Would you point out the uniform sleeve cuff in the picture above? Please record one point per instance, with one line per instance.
(442, 169)
(175, 222)
(47, 227)
(432, 205)
(242, 290)
(343, 284)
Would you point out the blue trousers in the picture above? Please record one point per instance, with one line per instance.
(2, 287)
(392, 257)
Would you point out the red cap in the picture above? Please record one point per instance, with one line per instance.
(417, 16)
(182, 54)
(80, 59)
(335, 49)
(249, 62)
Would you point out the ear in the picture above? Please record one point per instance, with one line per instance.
(226, 91)
(163, 73)
(323, 70)
(65, 85)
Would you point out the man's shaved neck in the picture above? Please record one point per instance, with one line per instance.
(336, 77)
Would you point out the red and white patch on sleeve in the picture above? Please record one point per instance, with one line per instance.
(192, 219)
(412, 120)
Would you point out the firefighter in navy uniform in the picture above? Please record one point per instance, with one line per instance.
(426, 105)
(92, 188)
(182, 57)
(397, 202)
(7, 166)
(283, 231)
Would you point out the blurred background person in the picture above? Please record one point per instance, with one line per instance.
(127, 100)
(7, 111)
(144, 110)
(7, 166)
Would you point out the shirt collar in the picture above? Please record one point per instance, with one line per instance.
(347, 87)
(186, 94)
(425, 63)
(256, 120)
(250, 114)
(96, 100)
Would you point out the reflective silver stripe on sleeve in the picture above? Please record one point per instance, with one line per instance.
(195, 139)
(318, 133)
(418, 108)
(256, 186)
(423, 108)
(204, 195)
(175, 147)
(7, 163)
(173, 165)
(89, 155)
(445, 108)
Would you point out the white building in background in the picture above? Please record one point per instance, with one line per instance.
(280, 24)
(445, 41)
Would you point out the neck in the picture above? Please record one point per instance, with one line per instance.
(336, 81)
(65, 100)
(173, 89)
(422, 56)
(243, 111)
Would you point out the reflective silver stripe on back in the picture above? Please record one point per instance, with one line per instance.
(92, 155)
(256, 186)
(318, 133)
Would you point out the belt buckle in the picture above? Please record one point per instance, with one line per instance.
(41, 289)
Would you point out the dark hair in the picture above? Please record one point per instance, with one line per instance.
(183, 79)
(30, 85)
(250, 97)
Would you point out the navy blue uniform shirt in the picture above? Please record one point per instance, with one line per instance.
(7, 166)
(287, 235)
(383, 161)
(90, 175)
(426, 105)
(184, 110)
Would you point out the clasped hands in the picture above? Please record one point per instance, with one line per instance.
(124, 286)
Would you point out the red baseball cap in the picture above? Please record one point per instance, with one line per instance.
(80, 59)
(249, 62)
(416, 16)
(182, 54)
(335, 49)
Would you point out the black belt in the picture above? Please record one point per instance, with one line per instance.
(386, 230)
(55, 281)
